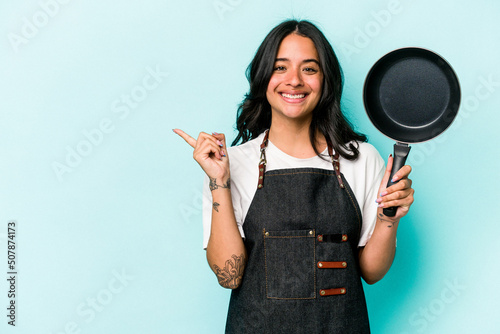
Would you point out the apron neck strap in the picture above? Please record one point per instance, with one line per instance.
(263, 162)
(336, 165)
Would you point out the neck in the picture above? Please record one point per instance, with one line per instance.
(293, 139)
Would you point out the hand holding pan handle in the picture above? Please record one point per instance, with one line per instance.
(411, 95)
(401, 151)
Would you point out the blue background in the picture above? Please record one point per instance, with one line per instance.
(108, 200)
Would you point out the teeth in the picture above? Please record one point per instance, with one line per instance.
(293, 96)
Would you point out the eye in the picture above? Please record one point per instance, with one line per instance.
(310, 70)
(279, 68)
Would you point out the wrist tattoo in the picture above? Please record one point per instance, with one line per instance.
(216, 206)
(382, 218)
(213, 184)
(230, 276)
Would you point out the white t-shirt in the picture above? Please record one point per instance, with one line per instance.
(363, 175)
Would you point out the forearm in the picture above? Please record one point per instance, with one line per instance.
(376, 258)
(226, 252)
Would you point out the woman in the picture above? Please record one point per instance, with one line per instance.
(297, 219)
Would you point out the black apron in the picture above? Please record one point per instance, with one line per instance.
(302, 275)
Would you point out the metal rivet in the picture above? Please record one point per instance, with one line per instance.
(311, 232)
(267, 233)
(322, 292)
(336, 167)
(320, 264)
(262, 169)
(338, 176)
(344, 264)
(342, 290)
(344, 237)
(260, 186)
(320, 238)
(260, 177)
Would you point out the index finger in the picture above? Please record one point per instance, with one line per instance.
(402, 173)
(190, 140)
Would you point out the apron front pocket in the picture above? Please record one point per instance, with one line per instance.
(290, 262)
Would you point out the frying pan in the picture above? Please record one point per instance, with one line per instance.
(411, 95)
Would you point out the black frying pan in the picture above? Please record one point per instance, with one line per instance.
(411, 95)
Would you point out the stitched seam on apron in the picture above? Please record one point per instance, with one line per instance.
(265, 258)
(269, 175)
(295, 298)
(314, 262)
(297, 236)
(354, 205)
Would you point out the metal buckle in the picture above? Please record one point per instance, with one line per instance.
(263, 160)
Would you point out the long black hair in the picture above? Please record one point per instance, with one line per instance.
(254, 113)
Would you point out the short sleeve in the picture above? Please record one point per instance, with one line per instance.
(374, 168)
(370, 210)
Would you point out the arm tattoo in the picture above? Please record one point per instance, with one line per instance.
(382, 218)
(213, 184)
(230, 276)
(216, 206)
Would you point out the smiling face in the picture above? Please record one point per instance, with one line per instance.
(295, 86)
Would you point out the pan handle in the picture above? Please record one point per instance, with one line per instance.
(401, 151)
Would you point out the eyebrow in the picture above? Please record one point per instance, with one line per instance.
(312, 60)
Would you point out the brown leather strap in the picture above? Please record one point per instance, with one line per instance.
(336, 165)
(332, 264)
(263, 161)
(332, 292)
(337, 238)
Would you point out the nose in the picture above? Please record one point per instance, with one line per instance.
(294, 78)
